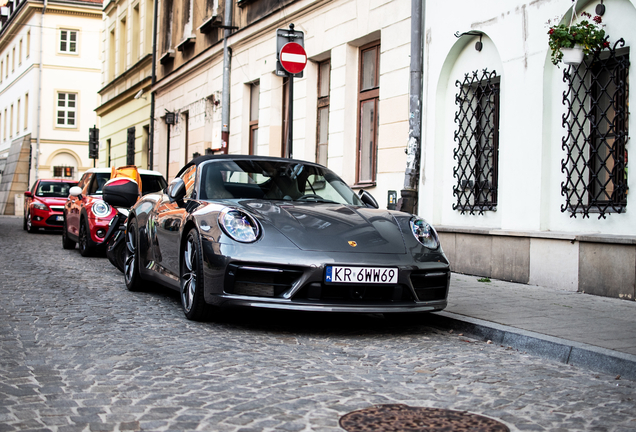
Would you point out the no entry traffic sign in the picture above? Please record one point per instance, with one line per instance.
(293, 58)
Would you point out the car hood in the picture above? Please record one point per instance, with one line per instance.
(332, 227)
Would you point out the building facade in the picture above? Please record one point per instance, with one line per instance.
(125, 86)
(350, 108)
(524, 163)
(48, 91)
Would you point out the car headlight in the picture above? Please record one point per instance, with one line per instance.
(40, 206)
(424, 233)
(101, 209)
(239, 225)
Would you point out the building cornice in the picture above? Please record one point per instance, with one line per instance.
(124, 97)
(136, 68)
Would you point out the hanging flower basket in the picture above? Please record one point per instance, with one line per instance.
(587, 36)
(573, 56)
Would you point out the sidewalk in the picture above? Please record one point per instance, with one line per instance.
(584, 330)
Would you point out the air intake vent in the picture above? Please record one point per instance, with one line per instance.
(431, 286)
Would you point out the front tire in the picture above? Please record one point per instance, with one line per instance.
(84, 248)
(192, 280)
(133, 279)
(67, 243)
(29, 224)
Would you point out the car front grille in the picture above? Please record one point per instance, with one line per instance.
(365, 293)
(430, 285)
(52, 221)
(57, 208)
(259, 281)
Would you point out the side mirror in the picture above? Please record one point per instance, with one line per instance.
(75, 191)
(368, 199)
(176, 190)
(28, 194)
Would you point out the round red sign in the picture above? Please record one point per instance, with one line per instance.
(293, 57)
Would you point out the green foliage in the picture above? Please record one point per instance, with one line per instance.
(590, 35)
(485, 279)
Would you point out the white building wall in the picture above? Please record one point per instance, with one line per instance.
(516, 46)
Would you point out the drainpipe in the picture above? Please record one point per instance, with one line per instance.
(151, 138)
(225, 98)
(37, 142)
(409, 195)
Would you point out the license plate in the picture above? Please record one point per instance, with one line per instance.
(59, 218)
(364, 275)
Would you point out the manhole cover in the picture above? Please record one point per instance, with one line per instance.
(404, 418)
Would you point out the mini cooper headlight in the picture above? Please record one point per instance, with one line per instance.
(101, 209)
(239, 225)
(424, 233)
(40, 206)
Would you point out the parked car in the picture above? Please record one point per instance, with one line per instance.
(86, 215)
(43, 204)
(281, 234)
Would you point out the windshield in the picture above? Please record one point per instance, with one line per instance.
(97, 183)
(152, 183)
(53, 189)
(273, 180)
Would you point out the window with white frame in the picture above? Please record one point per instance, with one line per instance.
(66, 110)
(68, 41)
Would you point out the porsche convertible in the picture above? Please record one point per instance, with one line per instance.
(264, 232)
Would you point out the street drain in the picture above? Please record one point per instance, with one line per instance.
(404, 418)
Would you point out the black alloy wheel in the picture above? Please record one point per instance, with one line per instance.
(67, 243)
(194, 306)
(84, 248)
(133, 280)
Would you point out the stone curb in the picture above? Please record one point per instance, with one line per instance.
(562, 350)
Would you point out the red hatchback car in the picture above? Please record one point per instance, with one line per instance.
(44, 203)
(87, 215)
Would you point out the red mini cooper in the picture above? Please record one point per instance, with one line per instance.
(43, 204)
(87, 215)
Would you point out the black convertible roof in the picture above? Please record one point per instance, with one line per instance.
(200, 159)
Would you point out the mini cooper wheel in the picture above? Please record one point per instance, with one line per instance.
(133, 279)
(67, 243)
(29, 224)
(194, 306)
(84, 248)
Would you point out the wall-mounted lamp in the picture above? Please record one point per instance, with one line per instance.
(478, 44)
(170, 118)
(600, 9)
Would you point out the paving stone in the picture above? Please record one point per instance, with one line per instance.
(79, 352)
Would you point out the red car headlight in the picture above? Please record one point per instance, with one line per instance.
(100, 209)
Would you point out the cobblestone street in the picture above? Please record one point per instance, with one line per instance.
(79, 352)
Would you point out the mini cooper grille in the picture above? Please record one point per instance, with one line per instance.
(364, 293)
(430, 286)
(259, 281)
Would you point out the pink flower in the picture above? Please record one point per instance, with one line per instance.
(551, 31)
(598, 19)
(606, 44)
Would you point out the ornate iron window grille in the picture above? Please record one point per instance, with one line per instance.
(477, 138)
(596, 133)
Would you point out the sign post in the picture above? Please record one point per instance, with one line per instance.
(291, 60)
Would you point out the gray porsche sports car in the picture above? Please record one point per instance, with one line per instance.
(281, 234)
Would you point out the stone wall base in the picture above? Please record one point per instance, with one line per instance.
(603, 265)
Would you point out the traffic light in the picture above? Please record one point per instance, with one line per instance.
(93, 143)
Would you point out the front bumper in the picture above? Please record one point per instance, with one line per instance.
(46, 219)
(289, 280)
